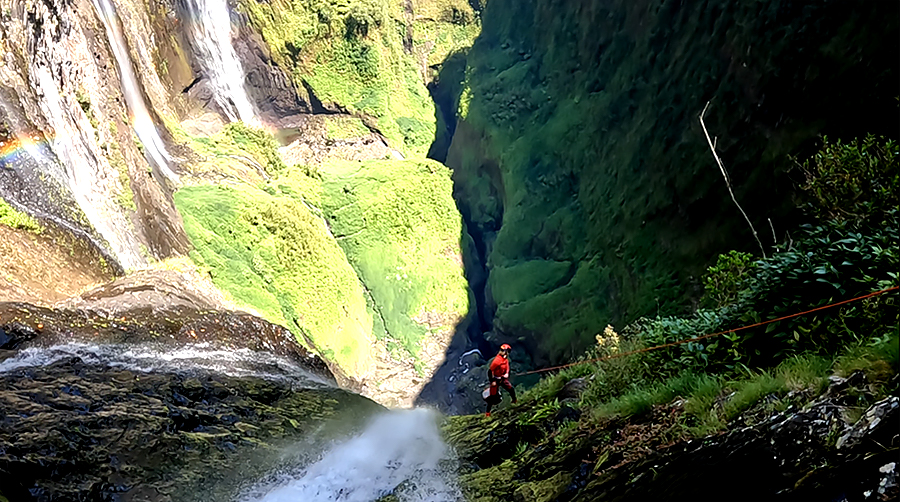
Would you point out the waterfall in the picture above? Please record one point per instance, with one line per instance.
(211, 33)
(154, 358)
(73, 161)
(401, 453)
(142, 121)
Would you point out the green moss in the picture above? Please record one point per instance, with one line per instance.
(399, 226)
(271, 253)
(526, 280)
(125, 197)
(396, 223)
(259, 143)
(236, 140)
(580, 142)
(545, 490)
(344, 127)
(493, 484)
(353, 53)
(18, 220)
(443, 27)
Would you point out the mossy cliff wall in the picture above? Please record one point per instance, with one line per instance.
(366, 57)
(386, 265)
(580, 165)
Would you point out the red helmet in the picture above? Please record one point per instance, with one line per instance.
(505, 346)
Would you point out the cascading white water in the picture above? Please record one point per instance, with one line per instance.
(211, 32)
(142, 121)
(79, 170)
(150, 358)
(401, 452)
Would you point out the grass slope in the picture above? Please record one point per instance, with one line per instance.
(399, 226)
(271, 253)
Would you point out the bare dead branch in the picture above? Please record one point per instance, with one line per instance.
(774, 237)
(728, 183)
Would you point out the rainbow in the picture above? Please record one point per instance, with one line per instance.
(11, 147)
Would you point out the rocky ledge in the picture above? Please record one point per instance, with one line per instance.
(814, 453)
(156, 404)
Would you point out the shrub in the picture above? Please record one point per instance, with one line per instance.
(727, 278)
(614, 377)
(857, 182)
(361, 19)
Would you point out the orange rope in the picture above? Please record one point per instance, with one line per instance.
(703, 337)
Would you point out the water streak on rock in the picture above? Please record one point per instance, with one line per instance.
(142, 121)
(155, 358)
(210, 30)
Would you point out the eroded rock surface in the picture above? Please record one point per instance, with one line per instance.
(172, 403)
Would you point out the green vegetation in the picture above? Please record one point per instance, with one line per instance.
(344, 127)
(853, 182)
(642, 401)
(578, 138)
(18, 220)
(395, 222)
(399, 226)
(236, 140)
(125, 197)
(835, 260)
(270, 252)
(443, 27)
(259, 143)
(356, 55)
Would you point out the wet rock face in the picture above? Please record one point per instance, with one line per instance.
(269, 87)
(32, 326)
(74, 161)
(113, 419)
(76, 431)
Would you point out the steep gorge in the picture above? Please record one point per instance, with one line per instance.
(157, 116)
(581, 169)
(174, 171)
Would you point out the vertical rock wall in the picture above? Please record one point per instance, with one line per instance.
(73, 159)
(581, 167)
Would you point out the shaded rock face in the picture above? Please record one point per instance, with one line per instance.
(791, 458)
(177, 324)
(583, 173)
(270, 89)
(172, 404)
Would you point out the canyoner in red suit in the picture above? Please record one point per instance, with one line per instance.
(498, 375)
